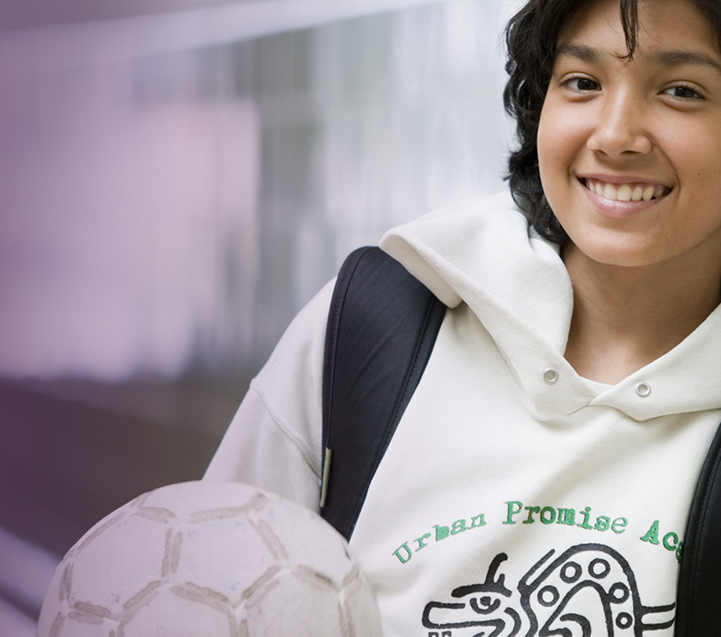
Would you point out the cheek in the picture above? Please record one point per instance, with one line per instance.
(545, 127)
(546, 156)
(558, 145)
(693, 149)
(698, 165)
(554, 157)
(704, 158)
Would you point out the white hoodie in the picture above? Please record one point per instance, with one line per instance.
(515, 496)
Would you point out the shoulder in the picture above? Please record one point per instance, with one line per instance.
(470, 240)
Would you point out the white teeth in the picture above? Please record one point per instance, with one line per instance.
(625, 192)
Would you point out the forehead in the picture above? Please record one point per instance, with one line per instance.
(677, 24)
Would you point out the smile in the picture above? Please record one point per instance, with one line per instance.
(625, 192)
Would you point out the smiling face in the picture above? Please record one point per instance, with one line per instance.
(630, 151)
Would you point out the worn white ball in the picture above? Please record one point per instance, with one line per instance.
(203, 559)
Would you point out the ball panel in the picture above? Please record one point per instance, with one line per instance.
(299, 533)
(295, 603)
(180, 611)
(225, 555)
(359, 606)
(105, 570)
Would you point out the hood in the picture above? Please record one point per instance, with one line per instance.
(482, 252)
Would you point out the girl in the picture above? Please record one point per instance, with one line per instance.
(540, 480)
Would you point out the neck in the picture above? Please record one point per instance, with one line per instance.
(625, 318)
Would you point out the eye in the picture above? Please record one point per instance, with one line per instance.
(582, 84)
(683, 92)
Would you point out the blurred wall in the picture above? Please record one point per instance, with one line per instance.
(170, 197)
(176, 180)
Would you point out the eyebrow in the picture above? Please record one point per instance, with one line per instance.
(668, 59)
(584, 53)
(672, 59)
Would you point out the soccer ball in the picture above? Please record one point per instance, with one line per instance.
(203, 559)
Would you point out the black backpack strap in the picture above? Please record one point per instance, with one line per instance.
(381, 330)
(698, 609)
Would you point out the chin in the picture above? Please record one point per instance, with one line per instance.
(612, 254)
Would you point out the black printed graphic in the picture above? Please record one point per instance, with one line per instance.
(587, 591)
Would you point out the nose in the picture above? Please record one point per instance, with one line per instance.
(621, 128)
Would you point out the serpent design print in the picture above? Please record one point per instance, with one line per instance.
(548, 598)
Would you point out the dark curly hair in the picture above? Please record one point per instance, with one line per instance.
(531, 38)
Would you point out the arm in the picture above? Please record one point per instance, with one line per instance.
(274, 440)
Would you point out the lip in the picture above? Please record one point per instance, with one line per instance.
(613, 178)
(620, 209)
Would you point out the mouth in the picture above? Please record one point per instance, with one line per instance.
(635, 191)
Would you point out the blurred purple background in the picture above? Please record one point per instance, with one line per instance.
(177, 178)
